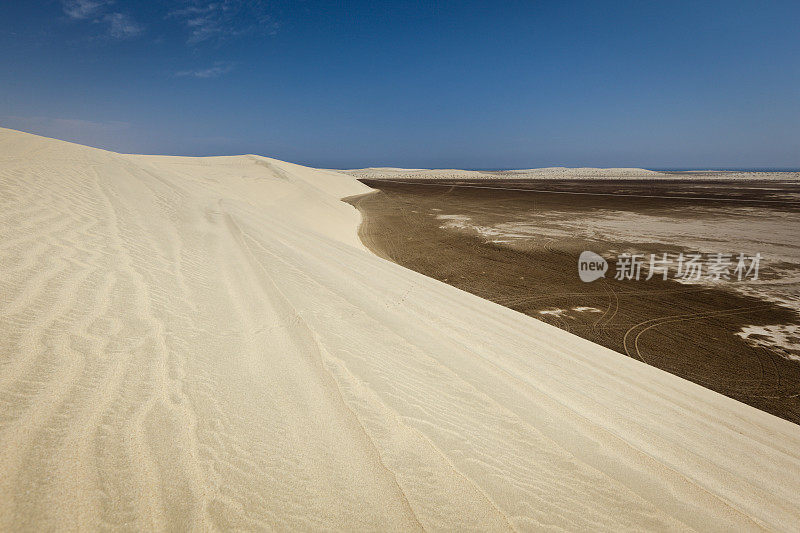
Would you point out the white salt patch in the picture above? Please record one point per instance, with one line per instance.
(783, 339)
(553, 312)
(462, 218)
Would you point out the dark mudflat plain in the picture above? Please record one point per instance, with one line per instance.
(439, 228)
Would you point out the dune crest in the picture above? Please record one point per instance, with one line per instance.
(204, 343)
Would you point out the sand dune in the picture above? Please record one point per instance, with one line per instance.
(533, 173)
(560, 173)
(193, 343)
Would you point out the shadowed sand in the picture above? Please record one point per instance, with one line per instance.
(192, 343)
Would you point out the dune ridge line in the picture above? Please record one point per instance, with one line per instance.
(204, 343)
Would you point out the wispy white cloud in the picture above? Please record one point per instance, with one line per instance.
(82, 9)
(217, 20)
(118, 25)
(215, 71)
(203, 21)
(121, 26)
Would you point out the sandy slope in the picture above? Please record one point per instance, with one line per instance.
(194, 343)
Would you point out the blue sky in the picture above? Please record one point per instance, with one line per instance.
(509, 84)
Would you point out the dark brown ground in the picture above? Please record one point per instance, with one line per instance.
(686, 330)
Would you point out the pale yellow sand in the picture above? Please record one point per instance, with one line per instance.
(203, 343)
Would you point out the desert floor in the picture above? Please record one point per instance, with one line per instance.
(517, 243)
(204, 343)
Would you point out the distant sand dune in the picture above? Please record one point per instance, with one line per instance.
(585, 173)
(192, 343)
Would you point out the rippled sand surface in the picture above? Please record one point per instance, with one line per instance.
(197, 343)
